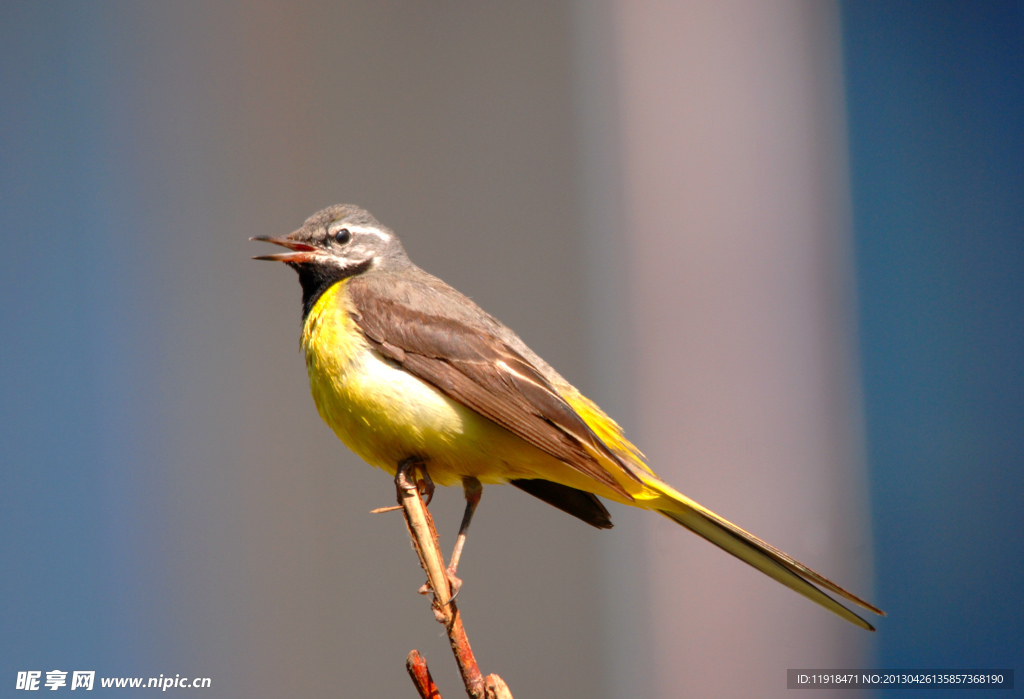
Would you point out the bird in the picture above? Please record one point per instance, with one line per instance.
(405, 369)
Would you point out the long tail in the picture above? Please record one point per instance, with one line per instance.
(762, 555)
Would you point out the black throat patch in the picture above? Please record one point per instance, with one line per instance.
(316, 279)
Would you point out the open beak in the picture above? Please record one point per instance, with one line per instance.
(301, 252)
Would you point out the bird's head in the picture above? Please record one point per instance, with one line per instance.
(338, 242)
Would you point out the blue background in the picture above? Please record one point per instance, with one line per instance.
(935, 93)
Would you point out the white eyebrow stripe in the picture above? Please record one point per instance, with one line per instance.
(372, 231)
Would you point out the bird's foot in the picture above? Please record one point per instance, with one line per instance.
(425, 486)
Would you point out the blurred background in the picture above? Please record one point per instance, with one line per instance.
(781, 242)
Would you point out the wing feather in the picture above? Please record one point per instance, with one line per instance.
(481, 371)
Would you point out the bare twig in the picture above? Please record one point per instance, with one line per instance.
(416, 664)
(424, 538)
(496, 688)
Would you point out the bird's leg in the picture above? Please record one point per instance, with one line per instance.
(473, 490)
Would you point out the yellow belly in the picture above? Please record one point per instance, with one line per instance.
(385, 414)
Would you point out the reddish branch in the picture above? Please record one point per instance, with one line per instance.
(424, 539)
(416, 664)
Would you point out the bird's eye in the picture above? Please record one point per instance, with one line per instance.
(343, 236)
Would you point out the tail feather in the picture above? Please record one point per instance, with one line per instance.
(759, 554)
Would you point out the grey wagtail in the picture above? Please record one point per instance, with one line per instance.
(403, 367)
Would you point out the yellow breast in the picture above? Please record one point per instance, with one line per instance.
(381, 412)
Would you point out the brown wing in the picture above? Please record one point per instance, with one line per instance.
(480, 371)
